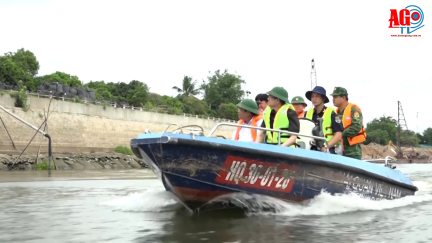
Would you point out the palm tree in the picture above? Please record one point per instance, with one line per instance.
(188, 87)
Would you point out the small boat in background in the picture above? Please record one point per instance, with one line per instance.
(198, 169)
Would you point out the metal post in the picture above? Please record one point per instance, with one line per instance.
(398, 134)
(36, 129)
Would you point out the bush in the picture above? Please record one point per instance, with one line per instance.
(123, 150)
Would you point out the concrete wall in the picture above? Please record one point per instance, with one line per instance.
(78, 127)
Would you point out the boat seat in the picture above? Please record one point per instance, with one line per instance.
(301, 144)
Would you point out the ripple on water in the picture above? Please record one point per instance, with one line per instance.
(141, 211)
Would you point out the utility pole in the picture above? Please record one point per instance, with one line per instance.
(401, 123)
(313, 75)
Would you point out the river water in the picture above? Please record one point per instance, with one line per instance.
(132, 206)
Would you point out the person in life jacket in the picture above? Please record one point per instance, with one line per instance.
(249, 115)
(282, 116)
(261, 100)
(352, 121)
(299, 105)
(331, 126)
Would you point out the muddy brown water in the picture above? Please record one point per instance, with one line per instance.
(132, 206)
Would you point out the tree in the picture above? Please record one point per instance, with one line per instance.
(228, 111)
(384, 129)
(381, 130)
(377, 136)
(194, 106)
(101, 90)
(421, 138)
(26, 60)
(9, 71)
(60, 77)
(222, 88)
(174, 105)
(21, 65)
(188, 87)
(409, 138)
(427, 136)
(137, 94)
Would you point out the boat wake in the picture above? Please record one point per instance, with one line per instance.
(152, 200)
(159, 200)
(323, 204)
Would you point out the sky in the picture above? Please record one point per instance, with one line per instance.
(267, 43)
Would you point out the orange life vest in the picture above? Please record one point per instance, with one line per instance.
(301, 115)
(255, 119)
(346, 122)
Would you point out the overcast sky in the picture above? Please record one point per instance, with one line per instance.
(268, 43)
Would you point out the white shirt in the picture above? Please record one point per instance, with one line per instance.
(245, 133)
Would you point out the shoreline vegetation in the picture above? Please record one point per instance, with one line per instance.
(221, 92)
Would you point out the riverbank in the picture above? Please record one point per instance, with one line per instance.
(67, 161)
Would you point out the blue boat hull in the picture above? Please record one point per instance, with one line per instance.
(200, 169)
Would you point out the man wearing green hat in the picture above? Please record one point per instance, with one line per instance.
(249, 115)
(299, 105)
(281, 116)
(352, 122)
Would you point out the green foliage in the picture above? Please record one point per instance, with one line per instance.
(381, 130)
(228, 110)
(20, 65)
(21, 99)
(384, 129)
(194, 106)
(44, 165)
(427, 136)
(60, 77)
(188, 87)
(123, 150)
(221, 90)
(409, 138)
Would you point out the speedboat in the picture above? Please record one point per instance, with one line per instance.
(198, 168)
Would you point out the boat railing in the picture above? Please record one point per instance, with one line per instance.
(199, 132)
(265, 129)
(387, 161)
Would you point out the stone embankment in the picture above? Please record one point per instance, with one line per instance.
(91, 161)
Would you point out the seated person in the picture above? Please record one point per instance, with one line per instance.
(280, 116)
(261, 100)
(249, 115)
(330, 126)
(299, 106)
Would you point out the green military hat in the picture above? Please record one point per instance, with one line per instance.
(339, 91)
(280, 93)
(298, 100)
(249, 105)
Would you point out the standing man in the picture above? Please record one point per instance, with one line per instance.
(330, 126)
(248, 115)
(299, 105)
(282, 116)
(261, 100)
(352, 121)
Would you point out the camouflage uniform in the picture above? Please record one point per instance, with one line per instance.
(353, 151)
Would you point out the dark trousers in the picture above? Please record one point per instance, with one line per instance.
(332, 150)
